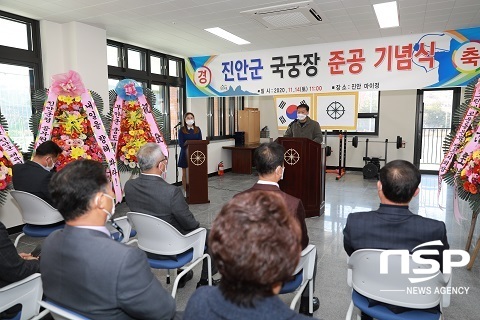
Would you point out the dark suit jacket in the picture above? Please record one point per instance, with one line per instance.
(294, 205)
(152, 195)
(89, 273)
(391, 227)
(32, 178)
(12, 267)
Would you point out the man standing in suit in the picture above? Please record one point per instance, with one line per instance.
(393, 225)
(86, 271)
(268, 159)
(33, 176)
(304, 126)
(151, 194)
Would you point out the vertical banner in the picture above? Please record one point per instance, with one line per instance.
(337, 111)
(286, 106)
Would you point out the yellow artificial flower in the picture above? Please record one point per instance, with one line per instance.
(77, 152)
(71, 122)
(134, 118)
(131, 152)
(124, 149)
(463, 173)
(9, 171)
(476, 154)
(131, 132)
(66, 99)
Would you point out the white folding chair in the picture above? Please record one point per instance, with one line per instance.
(159, 237)
(123, 223)
(303, 276)
(26, 292)
(394, 287)
(37, 214)
(61, 313)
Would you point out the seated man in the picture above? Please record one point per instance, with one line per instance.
(13, 267)
(255, 242)
(83, 269)
(33, 176)
(152, 195)
(393, 225)
(269, 164)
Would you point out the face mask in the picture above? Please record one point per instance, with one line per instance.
(47, 167)
(109, 214)
(301, 117)
(190, 122)
(283, 171)
(164, 173)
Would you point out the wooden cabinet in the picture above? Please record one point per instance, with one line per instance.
(249, 121)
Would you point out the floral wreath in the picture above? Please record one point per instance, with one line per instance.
(9, 155)
(133, 123)
(70, 118)
(461, 165)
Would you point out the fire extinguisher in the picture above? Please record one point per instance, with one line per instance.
(220, 168)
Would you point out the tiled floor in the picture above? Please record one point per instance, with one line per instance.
(350, 194)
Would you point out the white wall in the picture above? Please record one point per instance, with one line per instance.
(79, 47)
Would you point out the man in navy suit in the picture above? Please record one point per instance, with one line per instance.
(393, 225)
(33, 176)
(269, 164)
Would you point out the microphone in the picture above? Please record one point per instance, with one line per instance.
(178, 125)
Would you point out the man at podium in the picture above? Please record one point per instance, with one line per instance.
(303, 126)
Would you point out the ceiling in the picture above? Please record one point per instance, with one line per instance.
(177, 26)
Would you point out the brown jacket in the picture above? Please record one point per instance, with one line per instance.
(294, 205)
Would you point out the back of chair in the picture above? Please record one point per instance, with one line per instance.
(35, 210)
(157, 236)
(307, 262)
(394, 287)
(26, 292)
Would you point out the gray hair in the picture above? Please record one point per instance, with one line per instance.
(149, 156)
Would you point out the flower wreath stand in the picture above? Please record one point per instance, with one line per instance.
(460, 167)
(70, 118)
(9, 155)
(133, 123)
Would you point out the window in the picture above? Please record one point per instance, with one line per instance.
(160, 72)
(368, 113)
(20, 74)
(221, 116)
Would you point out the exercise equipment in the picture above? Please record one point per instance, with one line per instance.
(398, 143)
(342, 154)
(372, 164)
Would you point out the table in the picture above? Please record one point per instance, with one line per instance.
(242, 158)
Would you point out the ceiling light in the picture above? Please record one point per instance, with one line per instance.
(387, 14)
(227, 35)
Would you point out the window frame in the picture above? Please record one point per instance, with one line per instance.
(29, 58)
(150, 78)
(26, 58)
(226, 116)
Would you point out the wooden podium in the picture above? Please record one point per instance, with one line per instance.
(304, 175)
(197, 171)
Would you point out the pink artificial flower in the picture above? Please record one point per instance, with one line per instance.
(68, 84)
(130, 89)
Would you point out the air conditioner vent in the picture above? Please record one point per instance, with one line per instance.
(292, 15)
